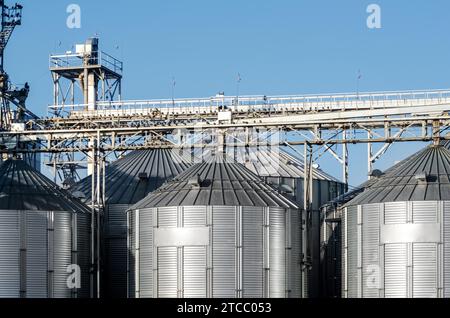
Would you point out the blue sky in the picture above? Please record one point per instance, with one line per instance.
(278, 47)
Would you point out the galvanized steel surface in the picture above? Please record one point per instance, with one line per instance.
(36, 249)
(331, 236)
(128, 180)
(43, 230)
(131, 178)
(23, 188)
(286, 173)
(217, 230)
(115, 251)
(424, 176)
(397, 249)
(219, 181)
(215, 251)
(396, 232)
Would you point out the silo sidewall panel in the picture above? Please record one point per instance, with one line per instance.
(352, 251)
(194, 271)
(426, 264)
(224, 252)
(371, 214)
(84, 253)
(395, 270)
(253, 252)
(383, 262)
(9, 254)
(240, 240)
(294, 269)
(277, 252)
(395, 267)
(166, 256)
(167, 262)
(425, 270)
(194, 257)
(38, 255)
(116, 251)
(445, 261)
(131, 273)
(62, 254)
(46, 242)
(146, 252)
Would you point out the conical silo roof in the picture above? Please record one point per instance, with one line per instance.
(446, 144)
(132, 177)
(25, 189)
(350, 195)
(219, 181)
(276, 163)
(425, 176)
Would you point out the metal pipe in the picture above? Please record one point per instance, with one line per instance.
(92, 281)
(98, 164)
(369, 155)
(345, 161)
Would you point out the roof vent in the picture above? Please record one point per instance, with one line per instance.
(79, 195)
(195, 182)
(143, 176)
(287, 189)
(68, 183)
(375, 173)
(421, 178)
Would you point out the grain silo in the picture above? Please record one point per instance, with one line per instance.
(286, 173)
(396, 233)
(331, 235)
(44, 237)
(128, 180)
(217, 230)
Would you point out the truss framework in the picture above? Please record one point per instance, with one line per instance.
(312, 127)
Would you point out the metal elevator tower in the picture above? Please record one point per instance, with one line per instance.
(97, 75)
(85, 77)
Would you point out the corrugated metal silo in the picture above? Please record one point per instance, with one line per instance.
(43, 231)
(396, 234)
(217, 230)
(128, 180)
(331, 236)
(286, 173)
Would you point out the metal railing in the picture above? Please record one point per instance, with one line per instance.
(75, 60)
(301, 103)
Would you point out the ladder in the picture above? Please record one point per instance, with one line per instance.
(5, 35)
